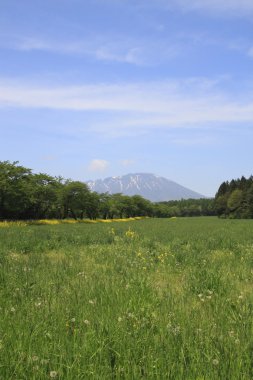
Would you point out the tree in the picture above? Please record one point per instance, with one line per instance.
(104, 205)
(221, 205)
(14, 190)
(44, 194)
(223, 189)
(248, 213)
(92, 205)
(75, 199)
(234, 202)
(141, 206)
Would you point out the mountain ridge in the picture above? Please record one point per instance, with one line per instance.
(152, 187)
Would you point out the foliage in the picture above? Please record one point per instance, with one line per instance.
(234, 199)
(185, 207)
(25, 195)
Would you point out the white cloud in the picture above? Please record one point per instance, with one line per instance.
(98, 48)
(98, 165)
(121, 48)
(138, 107)
(131, 55)
(225, 7)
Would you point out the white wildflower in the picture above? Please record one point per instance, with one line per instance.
(53, 374)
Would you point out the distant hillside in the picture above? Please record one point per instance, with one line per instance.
(150, 186)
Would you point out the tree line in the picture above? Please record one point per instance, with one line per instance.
(26, 195)
(185, 207)
(234, 199)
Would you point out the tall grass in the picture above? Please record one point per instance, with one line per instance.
(148, 299)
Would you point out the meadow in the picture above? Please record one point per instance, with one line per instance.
(144, 299)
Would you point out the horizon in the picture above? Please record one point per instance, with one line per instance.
(108, 88)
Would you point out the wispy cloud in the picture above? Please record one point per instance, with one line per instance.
(138, 107)
(217, 5)
(95, 47)
(226, 7)
(121, 49)
(133, 52)
(98, 165)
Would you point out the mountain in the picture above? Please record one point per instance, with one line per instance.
(149, 186)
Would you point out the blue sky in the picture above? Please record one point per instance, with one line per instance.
(94, 88)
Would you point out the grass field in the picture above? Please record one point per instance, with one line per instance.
(147, 299)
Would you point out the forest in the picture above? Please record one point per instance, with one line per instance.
(234, 199)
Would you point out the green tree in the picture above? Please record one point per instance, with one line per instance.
(75, 199)
(14, 194)
(141, 206)
(221, 205)
(93, 205)
(44, 194)
(234, 202)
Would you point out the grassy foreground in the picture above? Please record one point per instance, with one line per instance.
(147, 299)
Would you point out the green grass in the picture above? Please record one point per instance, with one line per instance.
(167, 299)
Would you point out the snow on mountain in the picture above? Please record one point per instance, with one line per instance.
(149, 186)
